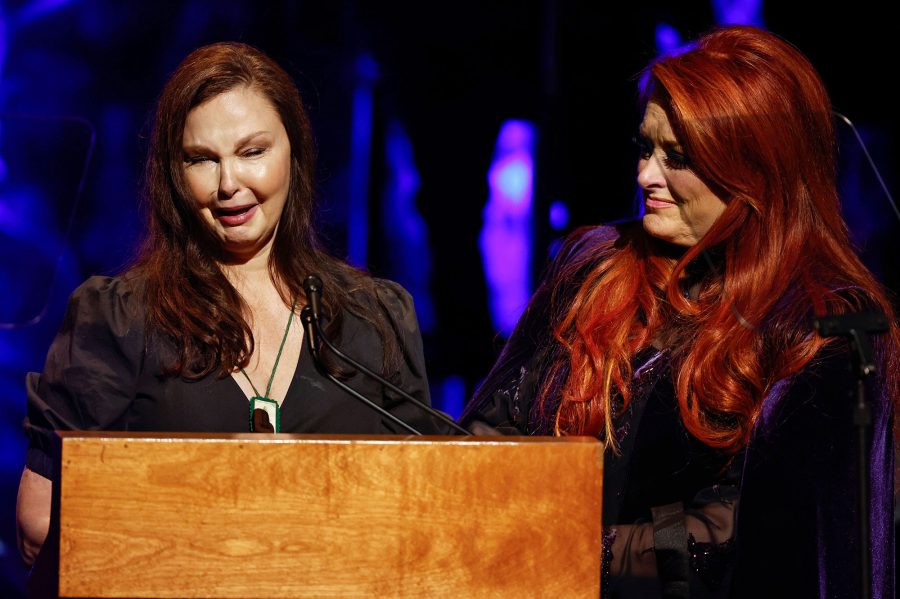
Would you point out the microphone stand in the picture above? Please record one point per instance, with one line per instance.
(309, 317)
(857, 327)
(312, 286)
(306, 317)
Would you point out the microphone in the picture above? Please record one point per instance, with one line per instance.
(312, 285)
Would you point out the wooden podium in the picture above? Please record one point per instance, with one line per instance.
(246, 515)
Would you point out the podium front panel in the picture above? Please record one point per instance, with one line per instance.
(328, 516)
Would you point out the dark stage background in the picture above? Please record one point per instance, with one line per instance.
(414, 104)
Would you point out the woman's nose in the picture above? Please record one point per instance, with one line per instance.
(228, 179)
(650, 173)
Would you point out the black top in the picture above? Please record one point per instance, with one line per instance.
(104, 373)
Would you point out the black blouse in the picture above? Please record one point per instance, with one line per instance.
(103, 372)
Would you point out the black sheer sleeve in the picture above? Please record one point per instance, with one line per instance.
(90, 373)
(681, 550)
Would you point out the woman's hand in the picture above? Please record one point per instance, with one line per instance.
(32, 514)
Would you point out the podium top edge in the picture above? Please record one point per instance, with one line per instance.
(168, 437)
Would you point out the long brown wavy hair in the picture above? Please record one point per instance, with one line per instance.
(189, 299)
(755, 119)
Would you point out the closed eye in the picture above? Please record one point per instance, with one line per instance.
(676, 161)
(672, 159)
(189, 160)
(253, 152)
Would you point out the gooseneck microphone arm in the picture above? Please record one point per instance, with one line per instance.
(312, 285)
(310, 325)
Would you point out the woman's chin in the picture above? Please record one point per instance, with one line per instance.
(243, 249)
(658, 228)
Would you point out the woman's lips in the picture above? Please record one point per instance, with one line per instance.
(652, 202)
(233, 217)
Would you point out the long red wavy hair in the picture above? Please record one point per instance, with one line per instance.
(755, 119)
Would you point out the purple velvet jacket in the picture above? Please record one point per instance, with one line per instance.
(785, 511)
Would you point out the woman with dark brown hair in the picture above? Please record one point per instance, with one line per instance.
(685, 343)
(202, 333)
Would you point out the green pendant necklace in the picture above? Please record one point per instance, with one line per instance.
(265, 413)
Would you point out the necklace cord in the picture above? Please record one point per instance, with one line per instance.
(277, 357)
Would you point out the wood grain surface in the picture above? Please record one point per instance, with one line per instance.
(315, 516)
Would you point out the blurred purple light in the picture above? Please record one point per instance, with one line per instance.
(506, 237)
(404, 228)
(559, 215)
(511, 177)
(738, 12)
(360, 156)
(668, 39)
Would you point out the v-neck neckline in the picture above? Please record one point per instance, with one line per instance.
(290, 389)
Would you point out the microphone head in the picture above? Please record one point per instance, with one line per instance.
(312, 284)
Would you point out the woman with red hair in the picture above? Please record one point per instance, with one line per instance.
(685, 343)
